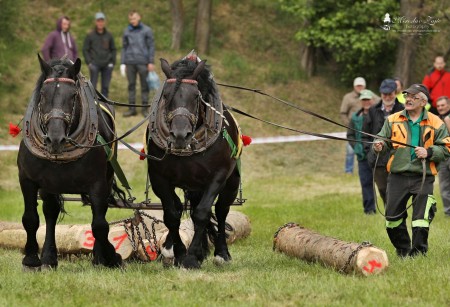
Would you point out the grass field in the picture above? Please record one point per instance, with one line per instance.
(312, 193)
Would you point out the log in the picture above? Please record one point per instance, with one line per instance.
(239, 222)
(70, 239)
(346, 257)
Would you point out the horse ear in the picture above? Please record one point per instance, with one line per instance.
(165, 67)
(45, 68)
(198, 69)
(73, 70)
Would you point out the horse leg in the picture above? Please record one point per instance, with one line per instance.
(30, 221)
(194, 199)
(201, 217)
(173, 247)
(226, 198)
(104, 251)
(51, 208)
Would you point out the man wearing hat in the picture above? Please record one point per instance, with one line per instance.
(350, 104)
(99, 53)
(429, 136)
(364, 169)
(373, 122)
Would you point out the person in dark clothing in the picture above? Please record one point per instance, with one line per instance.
(364, 169)
(99, 53)
(137, 59)
(412, 170)
(60, 43)
(373, 123)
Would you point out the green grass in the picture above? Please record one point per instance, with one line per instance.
(315, 195)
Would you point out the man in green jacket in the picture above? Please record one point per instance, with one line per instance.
(406, 166)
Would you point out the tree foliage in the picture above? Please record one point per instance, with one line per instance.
(349, 31)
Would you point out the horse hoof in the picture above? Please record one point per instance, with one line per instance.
(220, 261)
(49, 267)
(191, 263)
(26, 268)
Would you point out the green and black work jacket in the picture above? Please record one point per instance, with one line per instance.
(433, 137)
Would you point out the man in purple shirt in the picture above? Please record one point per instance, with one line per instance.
(59, 42)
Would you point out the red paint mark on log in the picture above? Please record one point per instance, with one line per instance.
(373, 264)
(90, 240)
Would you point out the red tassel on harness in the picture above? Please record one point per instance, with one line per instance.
(14, 130)
(246, 140)
(142, 157)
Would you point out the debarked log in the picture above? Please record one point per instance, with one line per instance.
(70, 239)
(346, 257)
(239, 228)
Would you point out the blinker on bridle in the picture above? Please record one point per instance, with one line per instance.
(182, 111)
(57, 113)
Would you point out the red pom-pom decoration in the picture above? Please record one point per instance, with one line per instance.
(142, 157)
(14, 130)
(246, 140)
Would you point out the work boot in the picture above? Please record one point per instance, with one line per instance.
(419, 241)
(400, 239)
(130, 112)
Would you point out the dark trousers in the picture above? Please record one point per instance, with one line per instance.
(400, 189)
(381, 176)
(132, 72)
(105, 72)
(366, 180)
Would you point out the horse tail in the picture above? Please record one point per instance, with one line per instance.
(63, 212)
(117, 193)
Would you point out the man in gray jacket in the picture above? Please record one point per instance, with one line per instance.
(137, 59)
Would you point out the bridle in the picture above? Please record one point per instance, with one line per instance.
(182, 111)
(57, 113)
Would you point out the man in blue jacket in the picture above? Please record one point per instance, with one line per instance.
(137, 59)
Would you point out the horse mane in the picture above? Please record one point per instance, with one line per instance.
(184, 68)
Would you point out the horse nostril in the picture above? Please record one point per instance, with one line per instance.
(47, 140)
(188, 136)
(63, 141)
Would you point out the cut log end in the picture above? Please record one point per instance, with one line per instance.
(371, 261)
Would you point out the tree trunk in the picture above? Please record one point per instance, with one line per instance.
(203, 25)
(407, 46)
(307, 59)
(346, 257)
(176, 8)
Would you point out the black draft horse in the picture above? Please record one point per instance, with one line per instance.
(57, 101)
(204, 176)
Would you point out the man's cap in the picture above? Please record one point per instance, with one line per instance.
(359, 81)
(388, 86)
(365, 94)
(99, 15)
(418, 88)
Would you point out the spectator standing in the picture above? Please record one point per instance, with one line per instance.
(443, 108)
(428, 134)
(137, 59)
(59, 42)
(350, 104)
(364, 169)
(373, 123)
(437, 82)
(99, 53)
(399, 91)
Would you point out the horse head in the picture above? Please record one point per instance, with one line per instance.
(182, 97)
(58, 100)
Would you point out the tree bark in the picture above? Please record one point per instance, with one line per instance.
(307, 59)
(407, 46)
(346, 257)
(177, 10)
(203, 26)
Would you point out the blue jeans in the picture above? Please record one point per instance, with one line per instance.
(366, 180)
(349, 159)
(106, 72)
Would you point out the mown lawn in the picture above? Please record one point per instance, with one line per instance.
(290, 184)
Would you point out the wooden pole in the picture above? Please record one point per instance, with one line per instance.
(346, 257)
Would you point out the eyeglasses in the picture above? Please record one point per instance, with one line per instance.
(410, 96)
